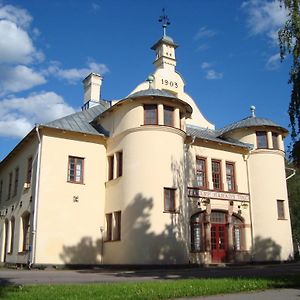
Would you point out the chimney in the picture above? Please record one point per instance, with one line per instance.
(91, 87)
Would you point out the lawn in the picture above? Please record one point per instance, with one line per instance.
(168, 289)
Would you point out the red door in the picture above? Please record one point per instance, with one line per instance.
(218, 242)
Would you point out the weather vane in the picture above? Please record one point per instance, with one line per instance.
(165, 21)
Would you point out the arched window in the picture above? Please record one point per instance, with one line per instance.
(197, 232)
(12, 234)
(25, 231)
(238, 229)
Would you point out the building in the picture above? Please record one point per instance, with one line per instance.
(145, 180)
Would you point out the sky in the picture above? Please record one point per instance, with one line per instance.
(228, 55)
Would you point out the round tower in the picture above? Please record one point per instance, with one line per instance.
(271, 228)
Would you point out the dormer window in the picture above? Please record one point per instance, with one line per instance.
(168, 116)
(150, 114)
(261, 138)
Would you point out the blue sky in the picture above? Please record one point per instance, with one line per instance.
(228, 56)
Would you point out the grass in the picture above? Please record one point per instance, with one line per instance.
(168, 289)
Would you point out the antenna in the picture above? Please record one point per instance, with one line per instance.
(165, 21)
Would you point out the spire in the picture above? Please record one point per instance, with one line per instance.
(165, 21)
(165, 47)
(252, 109)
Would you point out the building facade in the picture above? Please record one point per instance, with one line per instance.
(145, 180)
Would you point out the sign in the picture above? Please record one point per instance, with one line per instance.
(194, 192)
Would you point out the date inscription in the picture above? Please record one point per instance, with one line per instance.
(169, 83)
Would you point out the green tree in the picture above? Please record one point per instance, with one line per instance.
(294, 203)
(289, 42)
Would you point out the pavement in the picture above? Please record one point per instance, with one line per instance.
(115, 274)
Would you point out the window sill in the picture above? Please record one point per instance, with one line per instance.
(82, 183)
(108, 241)
(171, 212)
(282, 219)
(24, 252)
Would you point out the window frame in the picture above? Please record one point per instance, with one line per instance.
(275, 137)
(26, 231)
(29, 169)
(171, 207)
(12, 233)
(10, 176)
(232, 176)
(119, 163)
(110, 169)
(219, 175)
(281, 210)
(262, 133)
(117, 226)
(76, 158)
(203, 172)
(169, 109)
(152, 122)
(16, 182)
(1, 189)
(109, 227)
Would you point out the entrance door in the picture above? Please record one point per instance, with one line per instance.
(218, 242)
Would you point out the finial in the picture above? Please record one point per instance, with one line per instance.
(150, 79)
(165, 20)
(252, 108)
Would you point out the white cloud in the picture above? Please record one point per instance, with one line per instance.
(212, 75)
(273, 62)
(204, 32)
(18, 115)
(19, 78)
(75, 74)
(16, 15)
(264, 17)
(95, 6)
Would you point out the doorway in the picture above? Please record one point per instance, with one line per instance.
(219, 244)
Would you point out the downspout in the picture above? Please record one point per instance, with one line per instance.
(250, 204)
(35, 199)
(293, 173)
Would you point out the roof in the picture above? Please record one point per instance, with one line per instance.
(165, 39)
(214, 136)
(251, 122)
(80, 121)
(153, 93)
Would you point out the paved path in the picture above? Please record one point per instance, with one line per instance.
(279, 294)
(52, 276)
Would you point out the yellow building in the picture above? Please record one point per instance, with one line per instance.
(145, 180)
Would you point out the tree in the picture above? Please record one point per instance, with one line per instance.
(289, 42)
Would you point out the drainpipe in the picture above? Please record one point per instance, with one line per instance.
(250, 204)
(35, 199)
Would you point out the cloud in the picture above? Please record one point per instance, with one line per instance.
(204, 32)
(210, 73)
(75, 74)
(18, 115)
(19, 78)
(264, 17)
(95, 6)
(16, 15)
(273, 62)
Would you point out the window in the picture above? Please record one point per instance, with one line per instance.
(26, 231)
(29, 170)
(150, 117)
(216, 174)
(261, 138)
(117, 226)
(275, 140)
(169, 199)
(237, 233)
(16, 181)
(168, 116)
(230, 176)
(119, 164)
(12, 234)
(108, 227)
(75, 170)
(9, 185)
(1, 189)
(201, 172)
(197, 232)
(280, 209)
(110, 167)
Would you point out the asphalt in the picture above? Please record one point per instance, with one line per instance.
(110, 275)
